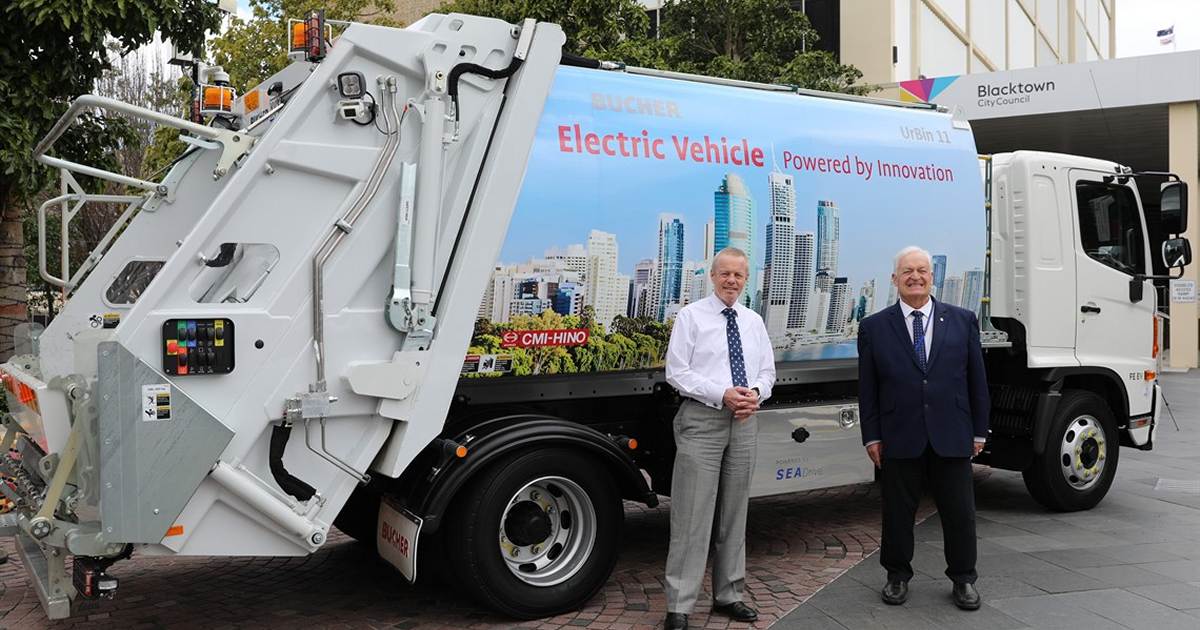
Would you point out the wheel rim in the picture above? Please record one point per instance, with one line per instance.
(1084, 452)
(547, 531)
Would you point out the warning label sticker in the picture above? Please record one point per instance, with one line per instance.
(486, 363)
(156, 402)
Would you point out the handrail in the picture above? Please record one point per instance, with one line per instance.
(234, 144)
(68, 280)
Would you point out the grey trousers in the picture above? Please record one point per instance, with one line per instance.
(714, 461)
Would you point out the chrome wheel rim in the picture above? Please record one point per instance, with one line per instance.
(1083, 453)
(547, 531)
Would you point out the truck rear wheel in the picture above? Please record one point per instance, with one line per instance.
(1080, 460)
(536, 534)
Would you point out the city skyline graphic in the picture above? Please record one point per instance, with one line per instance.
(634, 237)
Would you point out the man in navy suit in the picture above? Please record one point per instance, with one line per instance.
(923, 398)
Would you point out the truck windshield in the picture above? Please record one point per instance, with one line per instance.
(1110, 227)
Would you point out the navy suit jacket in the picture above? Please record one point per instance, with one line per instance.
(946, 406)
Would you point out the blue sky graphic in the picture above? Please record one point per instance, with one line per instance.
(565, 195)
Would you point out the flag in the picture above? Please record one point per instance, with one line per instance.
(1166, 35)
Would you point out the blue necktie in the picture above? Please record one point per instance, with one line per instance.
(737, 363)
(919, 339)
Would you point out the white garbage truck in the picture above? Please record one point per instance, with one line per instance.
(419, 285)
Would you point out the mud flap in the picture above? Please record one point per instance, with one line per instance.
(397, 536)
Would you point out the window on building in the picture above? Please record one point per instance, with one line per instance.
(902, 35)
(987, 30)
(1045, 56)
(942, 52)
(1020, 38)
(1081, 41)
(1102, 36)
(1110, 227)
(956, 10)
(1047, 16)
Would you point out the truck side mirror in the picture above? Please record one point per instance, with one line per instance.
(1173, 207)
(1176, 253)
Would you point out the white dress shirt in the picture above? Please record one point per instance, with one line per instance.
(927, 320)
(698, 354)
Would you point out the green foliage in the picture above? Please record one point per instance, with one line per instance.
(54, 50)
(252, 50)
(608, 29)
(751, 40)
(634, 344)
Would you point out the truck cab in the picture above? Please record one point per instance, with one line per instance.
(1072, 285)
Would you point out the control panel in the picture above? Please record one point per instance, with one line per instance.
(197, 346)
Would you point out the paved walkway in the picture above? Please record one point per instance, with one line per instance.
(1131, 562)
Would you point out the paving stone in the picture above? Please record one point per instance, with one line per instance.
(1176, 595)
(1124, 576)
(1131, 610)
(1052, 612)
(1061, 581)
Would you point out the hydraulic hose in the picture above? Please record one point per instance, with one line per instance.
(289, 483)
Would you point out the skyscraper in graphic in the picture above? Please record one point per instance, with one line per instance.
(972, 290)
(607, 291)
(670, 262)
(779, 273)
(892, 297)
(573, 258)
(710, 240)
(839, 306)
(733, 224)
(639, 289)
(939, 274)
(865, 304)
(829, 234)
(802, 281)
(952, 291)
(688, 291)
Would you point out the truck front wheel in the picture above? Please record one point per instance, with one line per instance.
(536, 534)
(1080, 461)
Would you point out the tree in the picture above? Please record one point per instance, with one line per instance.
(50, 52)
(602, 29)
(253, 50)
(751, 40)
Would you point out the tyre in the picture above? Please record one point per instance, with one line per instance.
(536, 534)
(1081, 455)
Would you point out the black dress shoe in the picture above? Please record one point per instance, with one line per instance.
(736, 611)
(895, 592)
(676, 621)
(966, 597)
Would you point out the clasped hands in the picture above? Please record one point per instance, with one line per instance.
(742, 401)
(875, 452)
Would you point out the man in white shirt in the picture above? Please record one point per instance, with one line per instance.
(720, 359)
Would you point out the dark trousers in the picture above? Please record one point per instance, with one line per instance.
(949, 479)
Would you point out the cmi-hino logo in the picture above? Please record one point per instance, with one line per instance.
(1011, 93)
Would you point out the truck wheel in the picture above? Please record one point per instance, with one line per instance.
(536, 534)
(1081, 455)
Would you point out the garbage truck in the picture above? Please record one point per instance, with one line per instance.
(419, 284)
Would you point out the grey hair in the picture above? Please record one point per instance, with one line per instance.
(911, 249)
(730, 251)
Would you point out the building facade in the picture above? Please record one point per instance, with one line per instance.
(779, 272)
(733, 225)
(900, 40)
